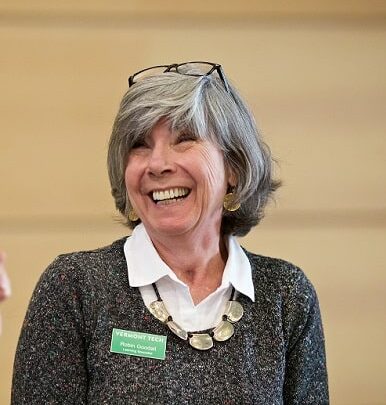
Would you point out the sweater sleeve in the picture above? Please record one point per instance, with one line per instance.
(306, 373)
(50, 362)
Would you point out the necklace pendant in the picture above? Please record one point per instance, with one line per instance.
(177, 330)
(158, 309)
(201, 341)
(234, 311)
(223, 331)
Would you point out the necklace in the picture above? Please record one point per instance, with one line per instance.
(203, 340)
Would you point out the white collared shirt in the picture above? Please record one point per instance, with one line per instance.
(146, 267)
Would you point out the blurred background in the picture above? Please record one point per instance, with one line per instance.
(313, 73)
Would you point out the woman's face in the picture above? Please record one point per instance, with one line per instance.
(176, 183)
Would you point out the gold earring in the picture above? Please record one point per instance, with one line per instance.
(133, 216)
(229, 203)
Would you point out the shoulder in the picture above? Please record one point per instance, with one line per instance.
(284, 283)
(86, 266)
(279, 273)
(114, 252)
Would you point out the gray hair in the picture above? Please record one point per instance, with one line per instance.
(202, 106)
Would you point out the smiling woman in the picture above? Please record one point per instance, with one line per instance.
(194, 168)
(188, 172)
(196, 107)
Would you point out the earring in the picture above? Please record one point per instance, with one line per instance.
(133, 216)
(229, 203)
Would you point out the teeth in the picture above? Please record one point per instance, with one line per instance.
(171, 193)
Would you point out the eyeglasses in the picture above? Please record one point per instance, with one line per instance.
(201, 67)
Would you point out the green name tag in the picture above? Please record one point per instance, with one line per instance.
(138, 344)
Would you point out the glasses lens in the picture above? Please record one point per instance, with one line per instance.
(153, 71)
(195, 68)
(188, 68)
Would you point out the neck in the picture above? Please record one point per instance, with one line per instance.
(197, 261)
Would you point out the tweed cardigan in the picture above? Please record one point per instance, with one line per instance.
(276, 355)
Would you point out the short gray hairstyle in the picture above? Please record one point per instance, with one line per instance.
(202, 106)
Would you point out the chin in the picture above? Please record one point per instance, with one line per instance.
(170, 227)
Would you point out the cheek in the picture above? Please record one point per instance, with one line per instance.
(214, 169)
(128, 176)
(131, 176)
(133, 167)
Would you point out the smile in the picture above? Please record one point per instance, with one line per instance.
(169, 196)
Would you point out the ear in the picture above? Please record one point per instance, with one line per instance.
(231, 176)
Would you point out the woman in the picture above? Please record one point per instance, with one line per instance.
(178, 312)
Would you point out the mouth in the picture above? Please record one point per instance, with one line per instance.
(169, 196)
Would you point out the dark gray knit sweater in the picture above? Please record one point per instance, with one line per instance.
(63, 357)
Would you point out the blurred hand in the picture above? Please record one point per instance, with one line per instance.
(5, 285)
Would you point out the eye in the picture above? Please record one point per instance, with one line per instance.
(139, 143)
(186, 137)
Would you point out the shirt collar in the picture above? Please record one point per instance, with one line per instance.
(145, 266)
(238, 269)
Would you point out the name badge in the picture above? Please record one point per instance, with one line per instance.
(138, 344)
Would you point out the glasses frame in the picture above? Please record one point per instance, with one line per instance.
(174, 67)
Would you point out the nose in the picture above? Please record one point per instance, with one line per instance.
(160, 160)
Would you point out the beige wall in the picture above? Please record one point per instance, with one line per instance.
(313, 73)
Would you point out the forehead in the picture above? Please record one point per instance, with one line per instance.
(162, 127)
